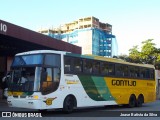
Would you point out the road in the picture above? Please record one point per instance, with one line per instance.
(147, 111)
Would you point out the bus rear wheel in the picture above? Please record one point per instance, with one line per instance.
(140, 101)
(68, 105)
(132, 101)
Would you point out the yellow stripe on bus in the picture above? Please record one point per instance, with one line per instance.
(14, 93)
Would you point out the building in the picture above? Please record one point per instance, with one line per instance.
(15, 39)
(92, 35)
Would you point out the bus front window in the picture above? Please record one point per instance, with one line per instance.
(51, 81)
(35, 73)
(22, 79)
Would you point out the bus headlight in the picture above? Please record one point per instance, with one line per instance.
(35, 97)
(10, 93)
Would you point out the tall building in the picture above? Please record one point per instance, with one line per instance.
(92, 35)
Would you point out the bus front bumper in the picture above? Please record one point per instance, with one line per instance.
(25, 103)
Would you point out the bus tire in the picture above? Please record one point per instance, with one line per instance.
(140, 101)
(132, 101)
(69, 104)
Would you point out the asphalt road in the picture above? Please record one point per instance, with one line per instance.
(147, 112)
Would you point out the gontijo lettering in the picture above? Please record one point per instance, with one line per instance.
(123, 83)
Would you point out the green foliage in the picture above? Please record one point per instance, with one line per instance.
(134, 55)
(149, 54)
(158, 58)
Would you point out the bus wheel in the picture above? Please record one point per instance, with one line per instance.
(140, 101)
(68, 105)
(132, 101)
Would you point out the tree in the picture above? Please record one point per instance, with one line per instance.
(124, 57)
(148, 52)
(157, 62)
(134, 55)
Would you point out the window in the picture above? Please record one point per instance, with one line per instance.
(121, 70)
(104, 68)
(87, 66)
(53, 60)
(111, 69)
(72, 64)
(147, 73)
(56, 74)
(96, 67)
(47, 84)
(125, 70)
(142, 73)
(67, 64)
(152, 73)
(77, 65)
(137, 72)
(27, 60)
(52, 80)
(107, 68)
(49, 74)
(132, 71)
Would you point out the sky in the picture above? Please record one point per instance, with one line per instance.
(133, 21)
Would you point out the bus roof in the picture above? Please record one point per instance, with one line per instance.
(41, 51)
(101, 58)
(95, 57)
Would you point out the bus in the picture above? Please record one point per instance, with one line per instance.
(63, 80)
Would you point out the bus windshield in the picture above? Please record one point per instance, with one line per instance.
(38, 72)
(23, 79)
(27, 60)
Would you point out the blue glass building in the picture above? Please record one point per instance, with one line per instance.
(93, 36)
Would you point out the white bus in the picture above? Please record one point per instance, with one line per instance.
(46, 79)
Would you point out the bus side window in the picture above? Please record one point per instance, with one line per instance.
(111, 69)
(125, 70)
(87, 66)
(96, 67)
(77, 66)
(50, 85)
(147, 72)
(67, 64)
(137, 71)
(132, 71)
(142, 73)
(118, 70)
(104, 68)
(67, 68)
(152, 73)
